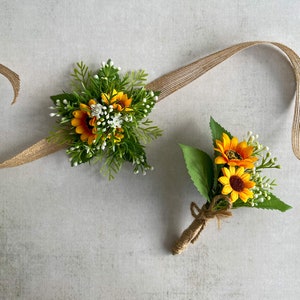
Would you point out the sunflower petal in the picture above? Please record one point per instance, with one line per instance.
(249, 184)
(226, 141)
(226, 172)
(220, 146)
(232, 170)
(80, 129)
(240, 171)
(79, 114)
(92, 102)
(84, 107)
(76, 122)
(91, 138)
(84, 137)
(234, 142)
(246, 163)
(92, 122)
(245, 176)
(245, 195)
(226, 189)
(224, 180)
(220, 160)
(234, 196)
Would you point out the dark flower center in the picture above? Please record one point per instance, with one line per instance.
(121, 103)
(236, 183)
(231, 154)
(87, 123)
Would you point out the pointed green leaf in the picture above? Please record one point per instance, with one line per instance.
(200, 168)
(273, 203)
(217, 130)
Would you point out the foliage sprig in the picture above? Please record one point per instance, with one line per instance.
(105, 118)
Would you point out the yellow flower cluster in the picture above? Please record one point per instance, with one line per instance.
(238, 160)
(86, 119)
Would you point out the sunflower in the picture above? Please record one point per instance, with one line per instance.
(118, 100)
(234, 153)
(84, 123)
(236, 183)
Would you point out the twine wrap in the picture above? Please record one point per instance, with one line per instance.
(191, 234)
(168, 84)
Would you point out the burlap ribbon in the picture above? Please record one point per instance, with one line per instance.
(168, 84)
(13, 78)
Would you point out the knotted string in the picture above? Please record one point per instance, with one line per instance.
(168, 84)
(201, 216)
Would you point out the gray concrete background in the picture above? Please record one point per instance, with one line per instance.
(68, 233)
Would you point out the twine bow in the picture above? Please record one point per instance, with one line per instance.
(191, 234)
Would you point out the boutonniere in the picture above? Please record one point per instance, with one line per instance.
(233, 177)
(105, 118)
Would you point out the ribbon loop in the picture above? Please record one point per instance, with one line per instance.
(179, 78)
(13, 78)
(195, 210)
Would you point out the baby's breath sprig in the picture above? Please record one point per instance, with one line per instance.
(105, 118)
(263, 184)
(261, 151)
(262, 189)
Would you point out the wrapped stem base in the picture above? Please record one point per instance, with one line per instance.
(207, 211)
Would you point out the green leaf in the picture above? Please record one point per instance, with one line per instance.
(200, 168)
(217, 130)
(273, 203)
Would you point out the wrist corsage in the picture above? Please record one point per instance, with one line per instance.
(105, 118)
(233, 178)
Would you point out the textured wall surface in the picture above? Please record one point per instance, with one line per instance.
(68, 233)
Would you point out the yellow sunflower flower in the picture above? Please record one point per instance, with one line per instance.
(118, 100)
(234, 153)
(236, 183)
(84, 124)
